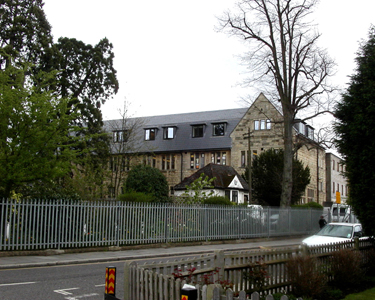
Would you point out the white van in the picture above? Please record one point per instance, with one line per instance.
(340, 212)
(256, 212)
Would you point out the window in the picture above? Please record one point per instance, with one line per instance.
(169, 133)
(168, 162)
(219, 158)
(310, 132)
(198, 131)
(150, 134)
(218, 129)
(310, 195)
(197, 160)
(151, 161)
(120, 136)
(333, 164)
(243, 159)
(268, 124)
(262, 124)
(235, 196)
(256, 125)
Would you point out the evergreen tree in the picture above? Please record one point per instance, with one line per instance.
(355, 129)
(25, 32)
(266, 174)
(148, 180)
(81, 76)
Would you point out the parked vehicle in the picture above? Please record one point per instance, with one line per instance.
(256, 213)
(333, 233)
(340, 212)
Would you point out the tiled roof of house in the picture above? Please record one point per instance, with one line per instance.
(183, 139)
(224, 175)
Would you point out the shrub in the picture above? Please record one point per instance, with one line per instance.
(217, 200)
(148, 180)
(370, 263)
(257, 275)
(309, 205)
(136, 197)
(306, 277)
(346, 269)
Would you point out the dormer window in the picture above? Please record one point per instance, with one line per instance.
(169, 132)
(198, 130)
(120, 136)
(218, 129)
(150, 134)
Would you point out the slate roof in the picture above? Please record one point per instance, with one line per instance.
(224, 175)
(183, 140)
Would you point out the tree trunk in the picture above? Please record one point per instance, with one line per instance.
(287, 182)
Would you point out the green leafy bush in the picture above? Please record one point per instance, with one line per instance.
(148, 180)
(136, 197)
(309, 205)
(217, 200)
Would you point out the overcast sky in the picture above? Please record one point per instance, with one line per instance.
(170, 59)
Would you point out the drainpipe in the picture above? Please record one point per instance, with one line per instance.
(182, 163)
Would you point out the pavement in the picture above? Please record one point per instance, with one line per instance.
(28, 259)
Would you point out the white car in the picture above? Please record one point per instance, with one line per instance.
(333, 233)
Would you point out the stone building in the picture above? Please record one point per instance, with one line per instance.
(181, 144)
(336, 180)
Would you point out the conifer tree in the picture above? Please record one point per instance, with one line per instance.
(355, 130)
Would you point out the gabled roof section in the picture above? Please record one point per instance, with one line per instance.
(224, 178)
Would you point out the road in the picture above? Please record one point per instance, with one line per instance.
(73, 282)
(86, 281)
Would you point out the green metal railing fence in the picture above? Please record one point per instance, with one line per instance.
(42, 224)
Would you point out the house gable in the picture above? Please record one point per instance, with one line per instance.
(236, 184)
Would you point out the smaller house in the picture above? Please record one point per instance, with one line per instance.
(227, 183)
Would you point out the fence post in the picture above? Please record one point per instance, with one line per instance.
(127, 279)
(205, 222)
(304, 250)
(356, 243)
(219, 264)
(167, 222)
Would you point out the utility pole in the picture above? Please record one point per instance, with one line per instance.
(248, 137)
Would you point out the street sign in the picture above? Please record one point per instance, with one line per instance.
(338, 197)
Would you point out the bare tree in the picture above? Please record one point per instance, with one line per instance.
(285, 59)
(125, 145)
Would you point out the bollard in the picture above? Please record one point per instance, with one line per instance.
(110, 283)
(189, 292)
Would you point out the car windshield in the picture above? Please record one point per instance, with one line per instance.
(341, 231)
